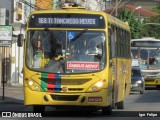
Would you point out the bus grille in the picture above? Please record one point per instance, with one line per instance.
(74, 81)
(60, 89)
(75, 89)
(65, 97)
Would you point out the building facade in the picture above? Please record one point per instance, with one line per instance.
(6, 19)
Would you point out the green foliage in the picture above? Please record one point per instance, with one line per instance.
(136, 26)
(157, 8)
(153, 30)
(139, 28)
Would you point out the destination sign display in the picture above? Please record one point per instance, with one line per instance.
(66, 21)
(145, 43)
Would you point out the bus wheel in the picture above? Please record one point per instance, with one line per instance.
(120, 105)
(141, 92)
(158, 86)
(39, 109)
(107, 110)
(113, 102)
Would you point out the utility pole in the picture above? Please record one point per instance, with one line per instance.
(116, 8)
(105, 3)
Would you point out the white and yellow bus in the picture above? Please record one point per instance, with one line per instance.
(75, 57)
(147, 51)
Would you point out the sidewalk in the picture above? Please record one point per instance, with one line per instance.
(13, 99)
(12, 94)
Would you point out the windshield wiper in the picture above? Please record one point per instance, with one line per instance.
(79, 35)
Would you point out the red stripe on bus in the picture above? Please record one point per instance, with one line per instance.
(51, 81)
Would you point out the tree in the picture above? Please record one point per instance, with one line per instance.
(136, 26)
(157, 8)
(153, 30)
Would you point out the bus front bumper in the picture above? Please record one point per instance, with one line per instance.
(69, 99)
(152, 81)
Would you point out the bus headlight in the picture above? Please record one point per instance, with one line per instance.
(30, 83)
(33, 85)
(96, 87)
(36, 87)
(99, 84)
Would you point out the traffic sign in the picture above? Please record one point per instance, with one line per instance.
(5, 36)
(5, 43)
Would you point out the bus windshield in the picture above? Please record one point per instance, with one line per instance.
(61, 51)
(149, 57)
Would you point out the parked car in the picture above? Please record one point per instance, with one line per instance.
(137, 82)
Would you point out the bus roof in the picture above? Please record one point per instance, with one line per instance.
(146, 39)
(113, 20)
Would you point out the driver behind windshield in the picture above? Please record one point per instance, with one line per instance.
(46, 48)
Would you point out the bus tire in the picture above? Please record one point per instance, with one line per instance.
(120, 105)
(114, 105)
(39, 109)
(141, 92)
(113, 101)
(158, 86)
(107, 110)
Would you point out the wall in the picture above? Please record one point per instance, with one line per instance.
(17, 52)
(8, 5)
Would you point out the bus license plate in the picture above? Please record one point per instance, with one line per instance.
(95, 99)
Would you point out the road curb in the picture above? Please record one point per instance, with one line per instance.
(10, 102)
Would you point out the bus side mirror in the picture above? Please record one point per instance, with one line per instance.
(20, 40)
